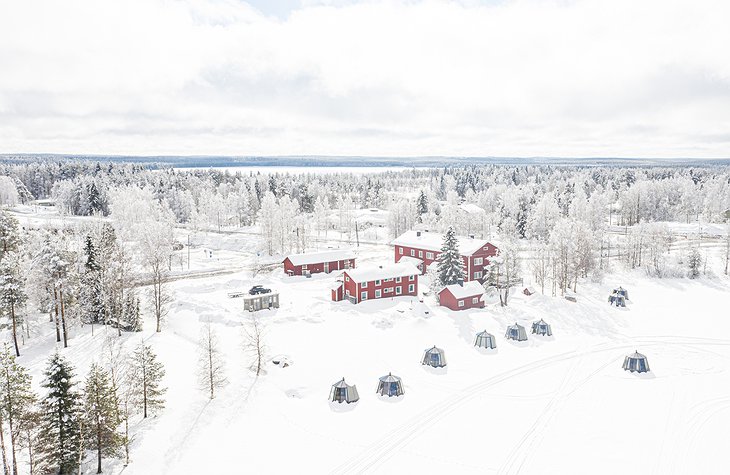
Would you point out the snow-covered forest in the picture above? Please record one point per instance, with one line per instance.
(97, 261)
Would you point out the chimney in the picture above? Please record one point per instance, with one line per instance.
(418, 233)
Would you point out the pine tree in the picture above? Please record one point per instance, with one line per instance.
(60, 420)
(421, 206)
(101, 415)
(450, 266)
(92, 293)
(694, 262)
(9, 235)
(16, 401)
(12, 293)
(147, 374)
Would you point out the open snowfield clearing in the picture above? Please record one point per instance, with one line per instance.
(549, 405)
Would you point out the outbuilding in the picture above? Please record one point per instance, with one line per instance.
(516, 332)
(390, 386)
(485, 340)
(253, 303)
(343, 392)
(434, 357)
(541, 328)
(315, 262)
(636, 362)
(462, 296)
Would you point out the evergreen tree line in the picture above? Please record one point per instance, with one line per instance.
(75, 420)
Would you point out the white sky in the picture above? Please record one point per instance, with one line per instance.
(644, 78)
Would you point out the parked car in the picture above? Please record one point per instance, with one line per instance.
(258, 289)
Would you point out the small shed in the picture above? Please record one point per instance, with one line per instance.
(462, 296)
(636, 362)
(528, 291)
(516, 332)
(343, 392)
(541, 328)
(434, 357)
(337, 289)
(485, 340)
(390, 386)
(253, 303)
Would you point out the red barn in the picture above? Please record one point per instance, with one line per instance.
(462, 296)
(314, 262)
(377, 282)
(422, 248)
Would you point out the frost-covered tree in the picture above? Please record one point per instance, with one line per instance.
(504, 270)
(100, 413)
(9, 233)
(450, 265)
(17, 402)
(146, 375)
(211, 370)
(12, 293)
(254, 346)
(694, 263)
(61, 420)
(421, 206)
(156, 248)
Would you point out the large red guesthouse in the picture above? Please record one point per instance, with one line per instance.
(312, 263)
(421, 248)
(367, 283)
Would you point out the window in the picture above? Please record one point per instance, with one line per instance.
(413, 253)
(388, 280)
(398, 279)
(347, 279)
(478, 275)
(398, 290)
(420, 254)
(461, 303)
(411, 278)
(347, 293)
(475, 300)
(377, 294)
(363, 295)
(388, 290)
(400, 251)
(364, 285)
(377, 282)
(478, 261)
(429, 255)
(304, 266)
(411, 288)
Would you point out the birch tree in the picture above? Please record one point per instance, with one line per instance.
(211, 370)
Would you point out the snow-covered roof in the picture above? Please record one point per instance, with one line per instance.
(324, 256)
(469, 289)
(412, 260)
(471, 208)
(433, 242)
(389, 271)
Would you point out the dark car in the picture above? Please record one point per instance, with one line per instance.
(258, 289)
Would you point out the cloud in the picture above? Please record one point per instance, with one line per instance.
(509, 78)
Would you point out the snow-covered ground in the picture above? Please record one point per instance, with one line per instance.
(550, 405)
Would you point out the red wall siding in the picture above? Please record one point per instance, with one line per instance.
(355, 289)
(291, 269)
(447, 299)
(469, 261)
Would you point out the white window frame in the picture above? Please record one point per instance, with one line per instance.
(475, 300)
(378, 293)
(429, 255)
(411, 278)
(398, 290)
(461, 303)
(347, 292)
(363, 295)
(304, 266)
(347, 279)
(478, 261)
(390, 279)
(400, 251)
(398, 279)
(411, 288)
(420, 254)
(478, 274)
(413, 253)
(377, 281)
(387, 290)
(364, 285)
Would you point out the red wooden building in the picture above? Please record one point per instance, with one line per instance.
(462, 296)
(422, 248)
(314, 262)
(368, 283)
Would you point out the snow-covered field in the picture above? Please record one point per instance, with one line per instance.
(552, 405)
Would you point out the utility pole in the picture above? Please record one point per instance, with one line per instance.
(357, 235)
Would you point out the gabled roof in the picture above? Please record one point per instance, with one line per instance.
(324, 256)
(434, 241)
(389, 271)
(469, 289)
